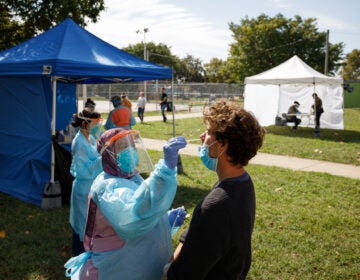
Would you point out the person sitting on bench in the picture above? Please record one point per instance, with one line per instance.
(293, 110)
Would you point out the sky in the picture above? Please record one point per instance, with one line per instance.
(201, 27)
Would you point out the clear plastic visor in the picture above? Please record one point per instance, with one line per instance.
(129, 152)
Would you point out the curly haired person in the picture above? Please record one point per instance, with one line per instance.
(217, 244)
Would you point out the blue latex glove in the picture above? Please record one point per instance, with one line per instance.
(171, 150)
(177, 216)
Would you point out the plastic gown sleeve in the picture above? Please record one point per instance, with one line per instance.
(109, 124)
(132, 120)
(75, 263)
(133, 209)
(86, 162)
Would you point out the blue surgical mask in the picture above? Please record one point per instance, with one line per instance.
(128, 159)
(209, 162)
(96, 131)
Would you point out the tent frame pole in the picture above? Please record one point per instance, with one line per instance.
(314, 90)
(172, 100)
(180, 168)
(278, 107)
(53, 127)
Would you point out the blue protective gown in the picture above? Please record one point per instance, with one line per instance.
(85, 166)
(137, 211)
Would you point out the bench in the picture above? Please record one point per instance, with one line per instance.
(197, 104)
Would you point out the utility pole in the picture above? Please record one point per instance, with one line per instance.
(144, 31)
(326, 53)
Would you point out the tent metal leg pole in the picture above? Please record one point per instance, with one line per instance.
(53, 128)
(180, 169)
(52, 191)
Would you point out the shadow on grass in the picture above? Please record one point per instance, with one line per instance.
(348, 136)
(189, 196)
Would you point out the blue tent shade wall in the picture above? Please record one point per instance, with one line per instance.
(65, 104)
(25, 133)
(25, 146)
(73, 56)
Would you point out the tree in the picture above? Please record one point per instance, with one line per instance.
(351, 69)
(191, 69)
(266, 42)
(159, 54)
(215, 71)
(30, 17)
(11, 32)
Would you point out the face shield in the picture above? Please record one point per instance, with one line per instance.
(96, 130)
(126, 154)
(94, 126)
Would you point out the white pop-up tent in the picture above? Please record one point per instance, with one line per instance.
(271, 93)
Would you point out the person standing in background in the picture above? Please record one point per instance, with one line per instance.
(120, 116)
(90, 105)
(126, 102)
(318, 109)
(141, 106)
(163, 103)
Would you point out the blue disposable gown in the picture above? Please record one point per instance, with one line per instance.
(137, 210)
(85, 166)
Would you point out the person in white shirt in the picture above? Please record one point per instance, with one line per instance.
(141, 106)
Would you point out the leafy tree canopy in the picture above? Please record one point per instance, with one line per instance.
(265, 42)
(159, 54)
(351, 69)
(192, 69)
(11, 32)
(28, 18)
(189, 69)
(216, 71)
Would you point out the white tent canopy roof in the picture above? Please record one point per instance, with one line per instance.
(292, 71)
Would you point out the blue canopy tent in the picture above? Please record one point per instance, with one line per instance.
(37, 86)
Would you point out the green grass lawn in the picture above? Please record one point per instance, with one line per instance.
(307, 224)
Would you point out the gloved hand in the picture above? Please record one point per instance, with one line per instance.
(171, 150)
(177, 216)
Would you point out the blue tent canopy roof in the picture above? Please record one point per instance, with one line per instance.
(73, 53)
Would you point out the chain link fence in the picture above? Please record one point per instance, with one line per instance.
(183, 93)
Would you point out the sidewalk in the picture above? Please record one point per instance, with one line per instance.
(293, 163)
(169, 116)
